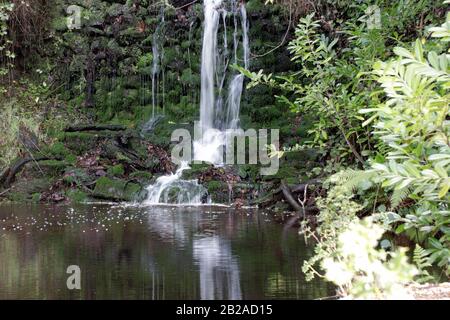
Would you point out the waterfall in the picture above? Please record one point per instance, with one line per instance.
(171, 189)
(208, 67)
(237, 84)
(158, 56)
(157, 51)
(216, 117)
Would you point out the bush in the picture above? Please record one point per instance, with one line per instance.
(413, 124)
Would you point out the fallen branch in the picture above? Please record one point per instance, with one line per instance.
(301, 187)
(10, 173)
(290, 198)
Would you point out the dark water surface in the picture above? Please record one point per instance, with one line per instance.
(129, 252)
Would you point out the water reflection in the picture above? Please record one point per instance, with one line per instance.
(219, 269)
(149, 253)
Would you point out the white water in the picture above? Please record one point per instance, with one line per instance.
(216, 117)
(157, 51)
(172, 189)
(209, 57)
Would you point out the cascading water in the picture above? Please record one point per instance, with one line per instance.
(158, 55)
(171, 189)
(157, 50)
(216, 117)
(237, 84)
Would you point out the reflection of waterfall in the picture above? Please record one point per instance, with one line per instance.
(172, 189)
(215, 117)
(219, 269)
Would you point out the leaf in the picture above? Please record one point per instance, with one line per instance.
(444, 190)
(400, 229)
(402, 52)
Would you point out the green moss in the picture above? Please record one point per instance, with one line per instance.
(17, 197)
(76, 176)
(116, 170)
(59, 150)
(52, 167)
(214, 186)
(76, 196)
(141, 176)
(117, 190)
(35, 197)
(196, 170)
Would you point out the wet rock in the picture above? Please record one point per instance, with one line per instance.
(118, 190)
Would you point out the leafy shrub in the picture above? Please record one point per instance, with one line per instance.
(361, 271)
(413, 124)
(346, 251)
(337, 212)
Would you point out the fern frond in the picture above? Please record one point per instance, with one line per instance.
(352, 179)
(422, 260)
(399, 195)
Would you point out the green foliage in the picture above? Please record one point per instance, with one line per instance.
(361, 271)
(346, 251)
(337, 212)
(413, 123)
(5, 43)
(335, 56)
(328, 88)
(422, 260)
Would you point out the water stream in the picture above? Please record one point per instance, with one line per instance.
(171, 189)
(216, 117)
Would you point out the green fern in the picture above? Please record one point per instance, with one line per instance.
(422, 261)
(353, 179)
(399, 195)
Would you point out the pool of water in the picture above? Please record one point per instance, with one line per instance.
(132, 252)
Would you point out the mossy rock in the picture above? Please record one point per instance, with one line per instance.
(214, 186)
(76, 176)
(117, 190)
(196, 170)
(141, 176)
(76, 196)
(79, 142)
(52, 168)
(26, 190)
(60, 151)
(116, 171)
(36, 197)
(218, 191)
(18, 197)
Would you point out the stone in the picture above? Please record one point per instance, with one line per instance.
(117, 190)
